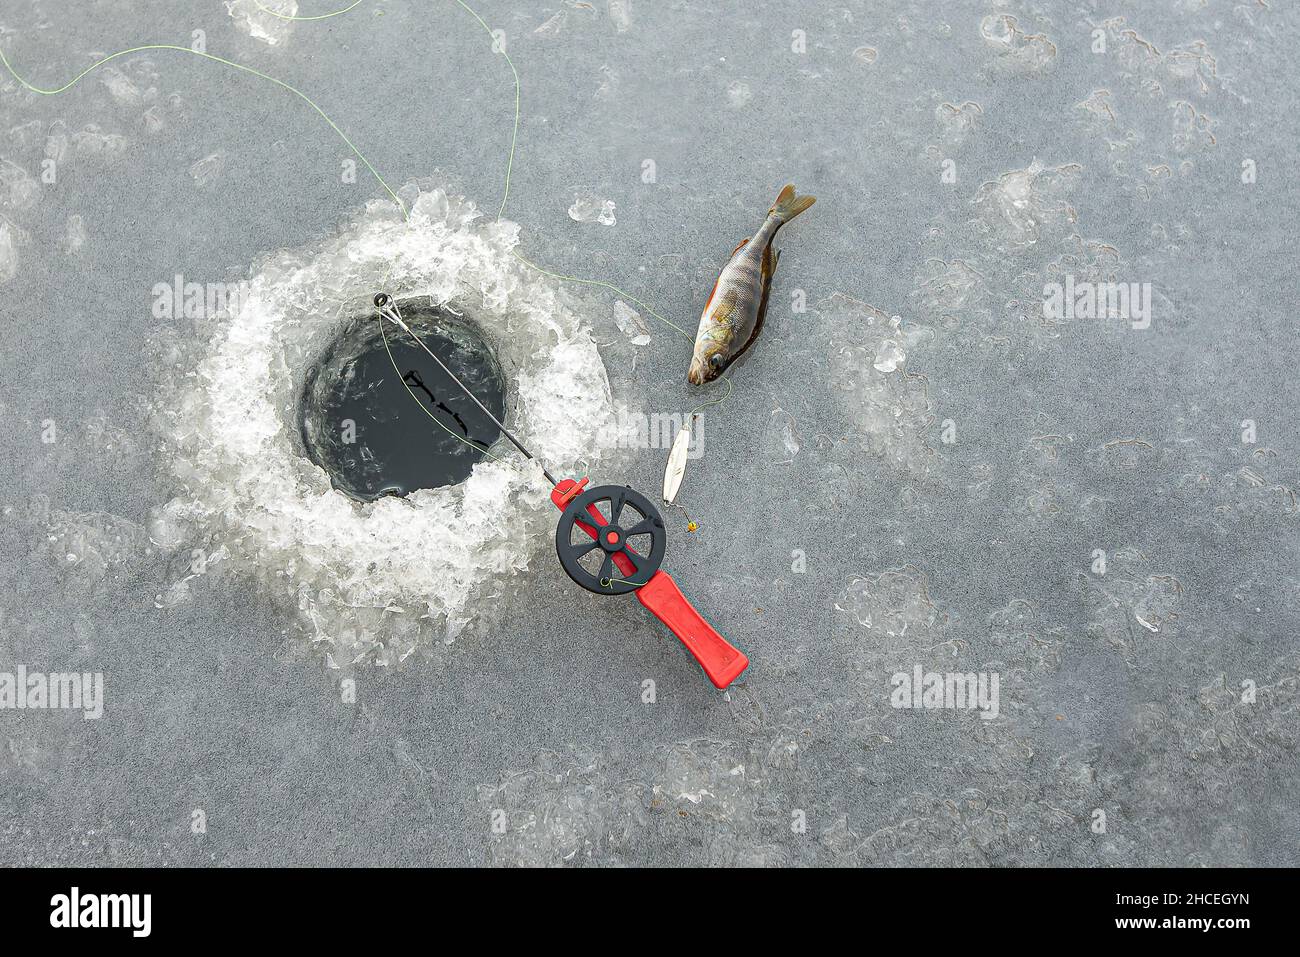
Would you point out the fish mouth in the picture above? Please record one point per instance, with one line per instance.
(695, 375)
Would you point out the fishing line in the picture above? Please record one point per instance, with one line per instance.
(505, 195)
(691, 524)
(722, 662)
(216, 59)
(388, 310)
(292, 89)
(323, 16)
(416, 398)
(609, 582)
(723, 398)
(514, 133)
(514, 137)
(510, 161)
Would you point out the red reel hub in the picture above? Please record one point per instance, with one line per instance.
(610, 555)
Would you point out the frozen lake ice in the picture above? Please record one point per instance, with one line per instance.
(1021, 407)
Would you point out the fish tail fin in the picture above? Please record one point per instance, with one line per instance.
(788, 205)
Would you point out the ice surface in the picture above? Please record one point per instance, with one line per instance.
(1162, 691)
(1018, 50)
(379, 579)
(891, 408)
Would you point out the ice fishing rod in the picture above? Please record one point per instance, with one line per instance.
(630, 534)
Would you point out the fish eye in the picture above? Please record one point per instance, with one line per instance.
(715, 361)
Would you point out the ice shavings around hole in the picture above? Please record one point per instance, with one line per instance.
(379, 580)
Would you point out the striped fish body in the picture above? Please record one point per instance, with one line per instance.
(733, 316)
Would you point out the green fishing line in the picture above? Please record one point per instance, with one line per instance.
(609, 582)
(401, 378)
(505, 196)
(323, 16)
(216, 59)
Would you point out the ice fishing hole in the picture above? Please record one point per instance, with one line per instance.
(361, 425)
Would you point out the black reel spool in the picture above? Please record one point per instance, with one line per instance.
(629, 526)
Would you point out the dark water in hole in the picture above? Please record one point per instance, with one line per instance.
(360, 424)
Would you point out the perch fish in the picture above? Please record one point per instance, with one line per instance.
(733, 316)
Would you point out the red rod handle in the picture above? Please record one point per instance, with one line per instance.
(720, 661)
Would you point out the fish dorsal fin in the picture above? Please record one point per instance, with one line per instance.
(741, 245)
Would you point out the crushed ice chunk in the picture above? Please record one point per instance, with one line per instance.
(74, 237)
(25, 136)
(956, 121)
(153, 119)
(1023, 205)
(781, 439)
(206, 171)
(891, 413)
(631, 324)
(608, 88)
(120, 87)
(889, 356)
(892, 605)
(18, 189)
(8, 253)
(92, 542)
(620, 14)
(739, 94)
(56, 142)
(258, 18)
(1018, 51)
(551, 26)
(93, 141)
(589, 208)
(177, 594)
